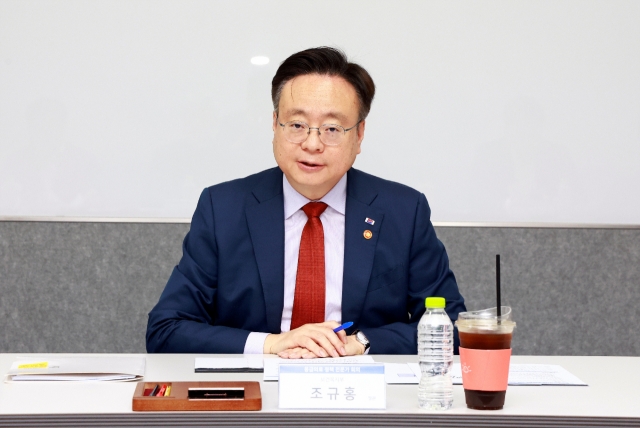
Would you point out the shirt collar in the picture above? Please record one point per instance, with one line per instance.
(293, 201)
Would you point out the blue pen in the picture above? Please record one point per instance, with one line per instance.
(343, 326)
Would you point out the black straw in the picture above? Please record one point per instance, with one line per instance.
(498, 287)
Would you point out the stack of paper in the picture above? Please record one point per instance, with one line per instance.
(244, 364)
(541, 374)
(401, 373)
(77, 368)
(519, 374)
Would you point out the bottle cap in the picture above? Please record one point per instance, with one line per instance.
(434, 302)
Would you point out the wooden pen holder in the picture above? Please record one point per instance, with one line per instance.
(188, 396)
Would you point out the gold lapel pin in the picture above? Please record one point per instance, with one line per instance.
(367, 234)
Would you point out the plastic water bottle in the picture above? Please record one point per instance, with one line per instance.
(435, 354)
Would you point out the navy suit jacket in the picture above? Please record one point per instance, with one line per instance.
(230, 279)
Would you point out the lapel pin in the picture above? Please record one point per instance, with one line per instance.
(369, 221)
(367, 234)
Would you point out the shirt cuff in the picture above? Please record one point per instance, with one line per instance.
(255, 343)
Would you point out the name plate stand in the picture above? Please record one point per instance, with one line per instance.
(332, 386)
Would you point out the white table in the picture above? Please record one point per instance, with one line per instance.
(611, 399)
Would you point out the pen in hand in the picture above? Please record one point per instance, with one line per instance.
(343, 326)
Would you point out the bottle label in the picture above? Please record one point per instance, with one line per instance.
(485, 370)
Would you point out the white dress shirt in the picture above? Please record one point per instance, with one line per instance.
(294, 220)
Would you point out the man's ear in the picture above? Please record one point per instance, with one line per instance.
(360, 128)
(275, 121)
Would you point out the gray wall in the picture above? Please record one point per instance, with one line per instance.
(87, 287)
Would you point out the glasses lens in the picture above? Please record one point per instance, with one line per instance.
(296, 132)
(332, 135)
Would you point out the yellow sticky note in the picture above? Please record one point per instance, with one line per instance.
(41, 365)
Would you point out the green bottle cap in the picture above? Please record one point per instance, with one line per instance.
(434, 302)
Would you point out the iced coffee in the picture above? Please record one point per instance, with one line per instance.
(485, 351)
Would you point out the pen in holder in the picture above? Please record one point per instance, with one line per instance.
(183, 396)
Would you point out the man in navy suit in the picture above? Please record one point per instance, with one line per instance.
(234, 290)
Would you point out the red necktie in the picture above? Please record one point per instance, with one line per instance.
(308, 300)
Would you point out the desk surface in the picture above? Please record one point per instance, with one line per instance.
(610, 399)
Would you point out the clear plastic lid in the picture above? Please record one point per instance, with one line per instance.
(486, 321)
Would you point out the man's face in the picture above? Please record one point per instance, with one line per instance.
(311, 167)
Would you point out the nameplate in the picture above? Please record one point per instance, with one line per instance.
(332, 386)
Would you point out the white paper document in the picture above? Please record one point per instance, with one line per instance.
(62, 368)
(519, 374)
(541, 374)
(271, 365)
(244, 364)
(395, 373)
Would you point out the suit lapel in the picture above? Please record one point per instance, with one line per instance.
(358, 250)
(266, 226)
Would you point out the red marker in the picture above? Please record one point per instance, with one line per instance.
(161, 392)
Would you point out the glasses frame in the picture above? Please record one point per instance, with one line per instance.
(309, 128)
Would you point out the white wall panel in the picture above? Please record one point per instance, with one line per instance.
(500, 111)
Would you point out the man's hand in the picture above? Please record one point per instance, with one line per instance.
(352, 347)
(317, 339)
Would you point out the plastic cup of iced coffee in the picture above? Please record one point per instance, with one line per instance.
(485, 352)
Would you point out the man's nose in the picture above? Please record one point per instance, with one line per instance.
(313, 142)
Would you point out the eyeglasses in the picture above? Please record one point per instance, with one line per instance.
(330, 135)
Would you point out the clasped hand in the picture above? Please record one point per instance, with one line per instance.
(313, 341)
